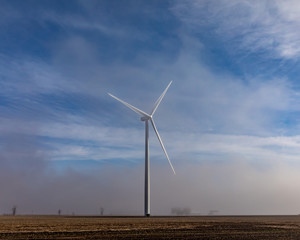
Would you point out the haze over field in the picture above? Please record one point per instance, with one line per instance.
(229, 121)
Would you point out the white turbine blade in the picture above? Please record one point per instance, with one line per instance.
(138, 111)
(159, 99)
(161, 143)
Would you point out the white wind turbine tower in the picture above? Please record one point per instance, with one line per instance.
(148, 117)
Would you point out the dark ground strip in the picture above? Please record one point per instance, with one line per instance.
(218, 228)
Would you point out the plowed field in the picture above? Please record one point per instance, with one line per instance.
(67, 227)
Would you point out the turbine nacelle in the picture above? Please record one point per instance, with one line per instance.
(145, 118)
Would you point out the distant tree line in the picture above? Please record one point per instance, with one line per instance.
(180, 211)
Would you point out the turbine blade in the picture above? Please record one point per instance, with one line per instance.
(138, 111)
(159, 99)
(161, 143)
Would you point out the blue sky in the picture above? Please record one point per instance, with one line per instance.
(229, 121)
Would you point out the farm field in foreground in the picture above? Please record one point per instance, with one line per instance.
(219, 227)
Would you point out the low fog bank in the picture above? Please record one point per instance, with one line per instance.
(32, 183)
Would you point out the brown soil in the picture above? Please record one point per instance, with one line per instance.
(67, 227)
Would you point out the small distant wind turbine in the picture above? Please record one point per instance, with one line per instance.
(146, 117)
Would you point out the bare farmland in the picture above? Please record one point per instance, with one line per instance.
(80, 227)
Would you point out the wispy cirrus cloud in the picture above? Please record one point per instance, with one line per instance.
(269, 27)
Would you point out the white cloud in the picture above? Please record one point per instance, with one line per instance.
(202, 100)
(83, 141)
(252, 25)
(78, 22)
(198, 102)
(28, 76)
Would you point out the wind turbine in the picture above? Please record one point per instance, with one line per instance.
(145, 117)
